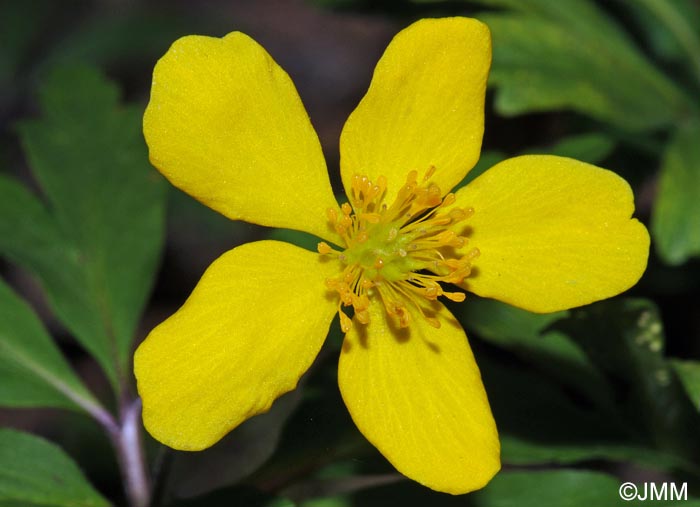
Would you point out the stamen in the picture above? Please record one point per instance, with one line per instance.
(400, 253)
(324, 248)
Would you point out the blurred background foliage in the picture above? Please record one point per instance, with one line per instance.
(96, 249)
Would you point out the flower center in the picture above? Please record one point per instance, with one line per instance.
(399, 253)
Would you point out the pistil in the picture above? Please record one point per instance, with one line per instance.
(399, 253)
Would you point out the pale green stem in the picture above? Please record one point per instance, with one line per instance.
(125, 435)
(128, 444)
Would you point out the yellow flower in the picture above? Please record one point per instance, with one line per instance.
(544, 233)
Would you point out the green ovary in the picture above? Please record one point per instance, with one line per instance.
(397, 253)
(384, 255)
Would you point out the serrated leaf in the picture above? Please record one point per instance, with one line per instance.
(106, 204)
(33, 373)
(30, 237)
(676, 218)
(689, 374)
(549, 55)
(36, 472)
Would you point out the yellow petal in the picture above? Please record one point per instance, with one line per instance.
(553, 233)
(250, 329)
(424, 107)
(226, 125)
(416, 394)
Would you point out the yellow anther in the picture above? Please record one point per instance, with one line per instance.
(457, 214)
(431, 293)
(362, 316)
(345, 322)
(396, 252)
(324, 248)
(457, 297)
(449, 199)
(446, 237)
(433, 322)
(456, 263)
(398, 310)
(372, 218)
(332, 215)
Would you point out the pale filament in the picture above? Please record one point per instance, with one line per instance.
(399, 253)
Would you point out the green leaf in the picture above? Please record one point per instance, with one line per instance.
(36, 472)
(689, 374)
(563, 488)
(577, 390)
(530, 337)
(624, 339)
(559, 55)
(534, 411)
(672, 29)
(33, 373)
(676, 219)
(30, 237)
(548, 488)
(105, 212)
(518, 451)
(559, 488)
